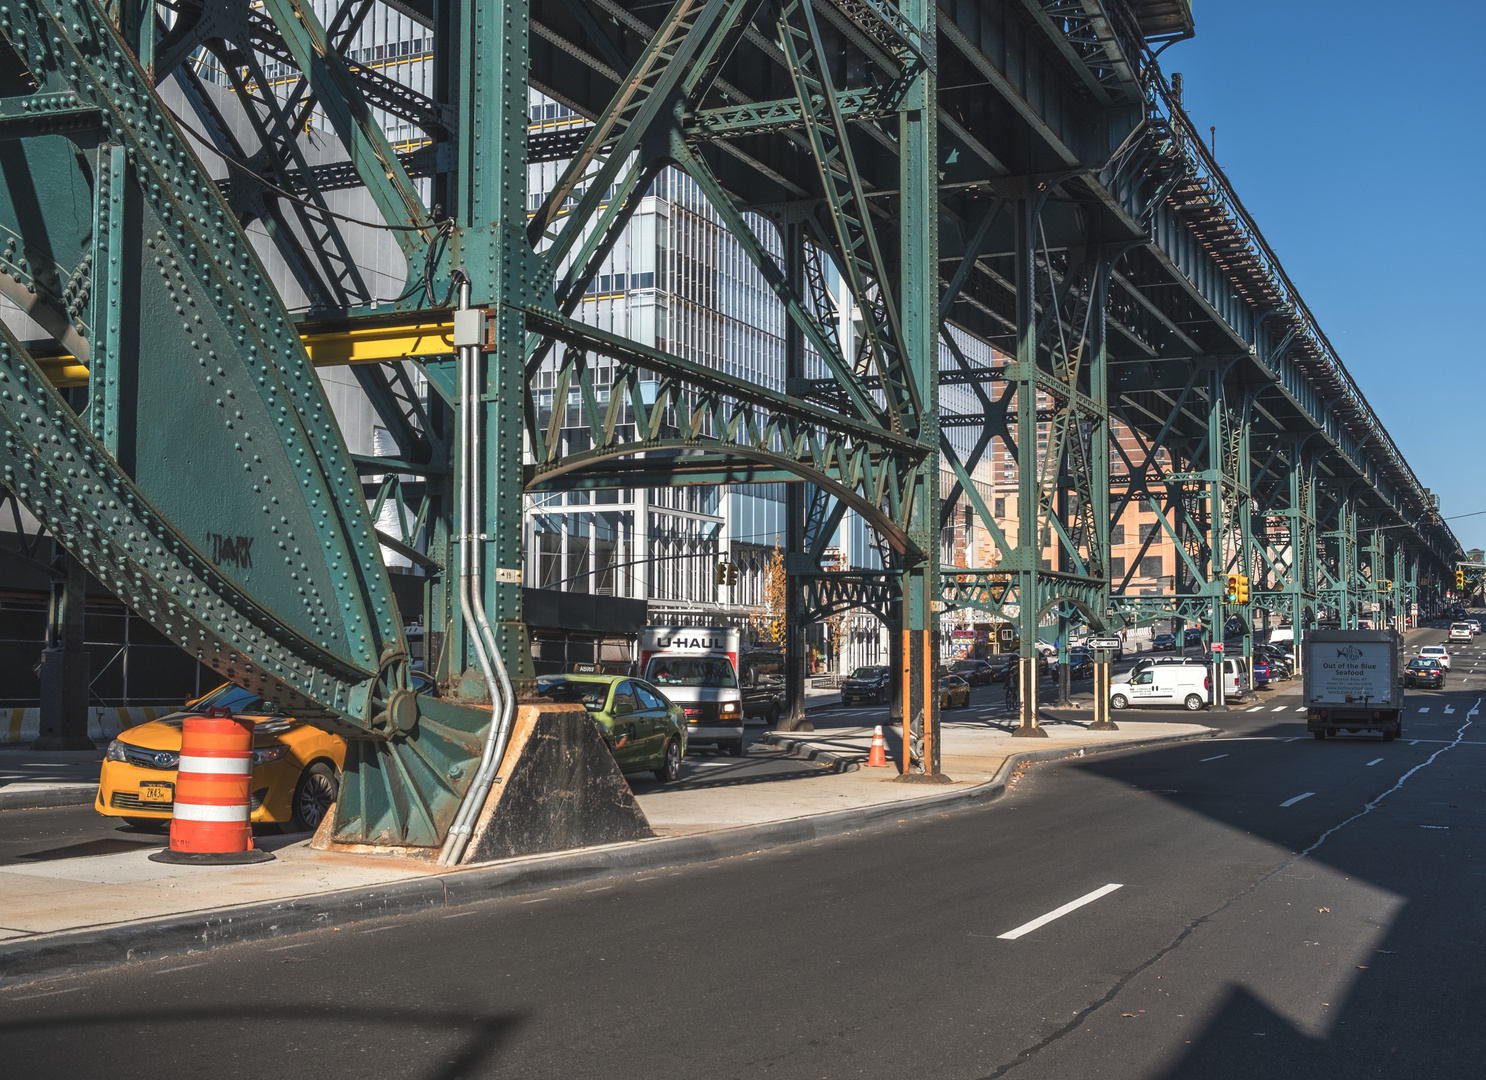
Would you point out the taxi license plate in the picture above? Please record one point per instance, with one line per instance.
(157, 793)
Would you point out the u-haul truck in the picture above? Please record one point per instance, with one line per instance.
(697, 668)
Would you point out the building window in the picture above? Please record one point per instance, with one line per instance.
(1116, 569)
(1150, 566)
(1148, 531)
(1000, 508)
(1116, 535)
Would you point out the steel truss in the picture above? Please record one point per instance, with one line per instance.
(1050, 203)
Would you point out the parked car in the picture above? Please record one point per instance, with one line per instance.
(296, 767)
(761, 678)
(1260, 670)
(1193, 635)
(642, 729)
(1163, 643)
(1279, 662)
(1438, 654)
(974, 672)
(954, 692)
(866, 686)
(1080, 666)
(1424, 673)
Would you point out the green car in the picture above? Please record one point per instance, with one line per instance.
(642, 729)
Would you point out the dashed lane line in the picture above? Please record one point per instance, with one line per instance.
(1375, 760)
(1292, 802)
(1215, 758)
(1279, 708)
(1058, 913)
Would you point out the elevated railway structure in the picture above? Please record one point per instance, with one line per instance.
(1015, 169)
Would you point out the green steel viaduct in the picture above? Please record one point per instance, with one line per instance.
(1018, 170)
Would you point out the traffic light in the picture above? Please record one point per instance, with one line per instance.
(1460, 579)
(1233, 580)
(1243, 588)
(727, 574)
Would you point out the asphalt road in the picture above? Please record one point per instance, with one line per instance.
(1285, 908)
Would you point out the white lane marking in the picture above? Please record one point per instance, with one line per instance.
(283, 948)
(1296, 738)
(1279, 708)
(461, 914)
(183, 967)
(1375, 760)
(1213, 758)
(379, 929)
(1425, 709)
(1058, 913)
(538, 900)
(1301, 709)
(1256, 708)
(1449, 709)
(1459, 736)
(49, 993)
(601, 888)
(1434, 826)
(1292, 802)
(1415, 742)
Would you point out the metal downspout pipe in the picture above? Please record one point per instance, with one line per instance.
(472, 605)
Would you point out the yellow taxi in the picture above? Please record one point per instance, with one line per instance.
(954, 692)
(296, 767)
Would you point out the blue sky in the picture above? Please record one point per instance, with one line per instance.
(1355, 138)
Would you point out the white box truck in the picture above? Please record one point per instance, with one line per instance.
(696, 667)
(1352, 683)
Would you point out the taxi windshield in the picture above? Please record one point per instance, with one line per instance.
(591, 695)
(692, 671)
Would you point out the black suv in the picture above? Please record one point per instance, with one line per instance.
(866, 686)
(974, 672)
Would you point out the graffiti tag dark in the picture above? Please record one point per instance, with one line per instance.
(237, 550)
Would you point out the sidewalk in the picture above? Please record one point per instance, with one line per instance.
(102, 902)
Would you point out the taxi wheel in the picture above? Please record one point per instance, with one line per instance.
(314, 795)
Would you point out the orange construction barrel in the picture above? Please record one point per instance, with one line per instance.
(213, 793)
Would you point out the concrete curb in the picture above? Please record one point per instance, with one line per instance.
(24, 960)
(52, 795)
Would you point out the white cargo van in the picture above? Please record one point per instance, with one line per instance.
(1235, 670)
(1163, 684)
(696, 667)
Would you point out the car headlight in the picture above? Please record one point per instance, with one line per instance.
(728, 708)
(269, 753)
(115, 751)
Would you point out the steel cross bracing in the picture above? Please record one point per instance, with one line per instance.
(1008, 176)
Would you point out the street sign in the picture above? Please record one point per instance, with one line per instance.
(1217, 646)
(1104, 643)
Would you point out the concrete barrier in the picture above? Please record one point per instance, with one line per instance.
(104, 722)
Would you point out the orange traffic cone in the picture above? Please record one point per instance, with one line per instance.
(877, 758)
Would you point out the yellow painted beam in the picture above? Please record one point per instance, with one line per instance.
(369, 345)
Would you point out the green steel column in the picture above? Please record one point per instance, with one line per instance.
(794, 718)
(1346, 528)
(1216, 561)
(1028, 553)
(1243, 507)
(918, 297)
(490, 211)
